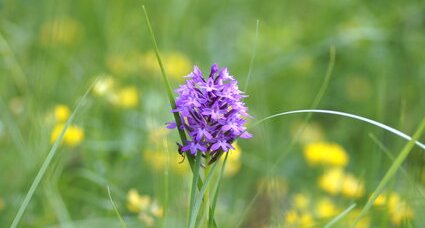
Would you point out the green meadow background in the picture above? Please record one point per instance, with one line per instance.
(51, 52)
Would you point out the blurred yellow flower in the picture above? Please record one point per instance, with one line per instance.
(332, 181)
(323, 153)
(295, 219)
(176, 64)
(399, 210)
(311, 132)
(158, 161)
(143, 205)
(74, 135)
(301, 201)
(125, 64)
(291, 218)
(381, 200)
(351, 187)
(325, 208)
(233, 161)
(127, 97)
(61, 113)
(103, 86)
(137, 203)
(63, 31)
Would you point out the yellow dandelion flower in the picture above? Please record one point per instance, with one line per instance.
(233, 161)
(351, 187)
(381, 200)
(176, 64)
(399, 210)
(325, 208)
(64, 31)
(147, 219)
(322, 153)
(158, 160)
(291, 217)
(306, 220)
(127, 97)
(157, 210)
(301, 201)
(103, 86)
(136, 202)
(74, 135)
(61, 113)
(332, 181)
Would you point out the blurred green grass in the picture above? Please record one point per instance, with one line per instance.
(52, 50)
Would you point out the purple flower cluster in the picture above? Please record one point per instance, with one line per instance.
(211, 111)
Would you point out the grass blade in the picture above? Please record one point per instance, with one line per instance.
(47, 161)
(340, 216)
(251, 62)
(344, 114)
(117, 213)
(199, 198)
(393, 169)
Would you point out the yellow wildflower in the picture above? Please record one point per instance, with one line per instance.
(73, 136)
(399, 210)
(380, 200)
(306, 220)
(136, 202)
(325, 208)
(332, 181)
(322, 153)
(158, 161)
(103, 86)
(176, 64)
(63, 31)
(127, 97)
(147, 208)
(351, 187)
(61, 113)
(301, 201)
(291, 217)
(233, 161)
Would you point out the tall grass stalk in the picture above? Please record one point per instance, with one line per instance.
(117, 213)
(47, 161)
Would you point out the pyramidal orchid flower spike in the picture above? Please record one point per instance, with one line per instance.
(212, 112)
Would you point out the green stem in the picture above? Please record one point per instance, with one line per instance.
(170, 96)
